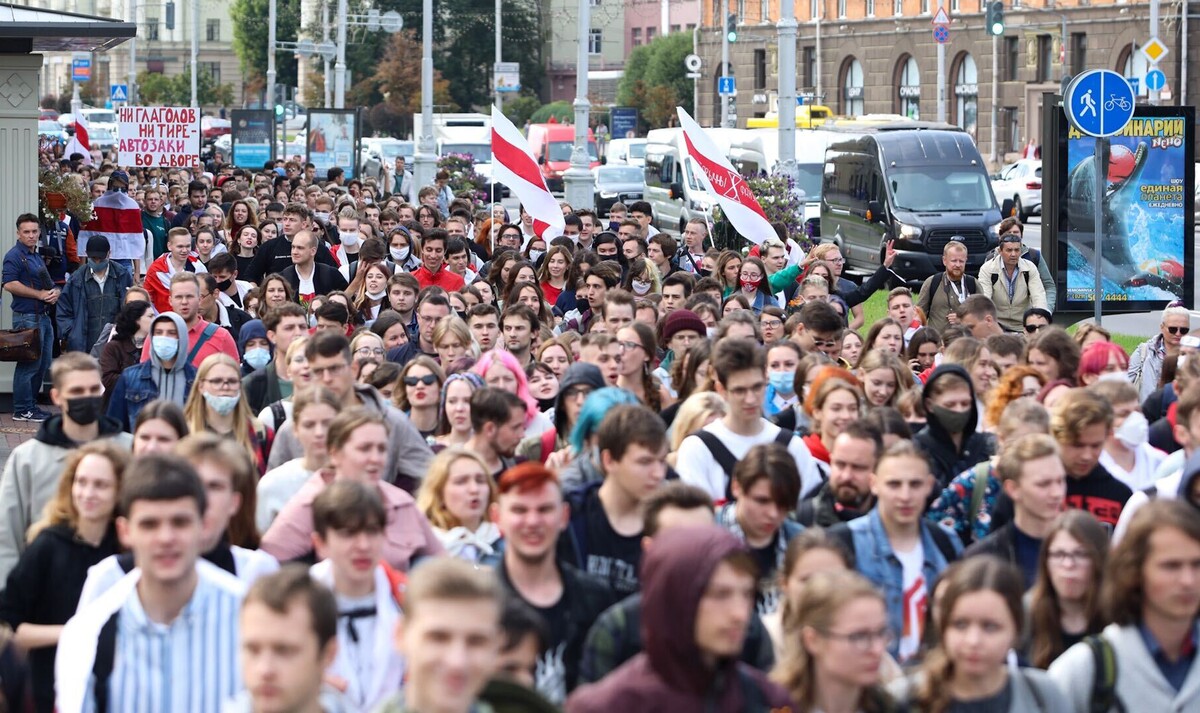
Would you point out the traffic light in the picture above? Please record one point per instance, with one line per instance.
(731, 27)
(995, 18)
(278, 111)
(170, 15)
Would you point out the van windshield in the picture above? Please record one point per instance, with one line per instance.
(939, 188)
(561, 151)
(637, 150)
(479, 153)
(808, 179)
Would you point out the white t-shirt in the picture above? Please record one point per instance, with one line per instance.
(1147, 458)
(275, 488)
(914, 602)
(697, 466)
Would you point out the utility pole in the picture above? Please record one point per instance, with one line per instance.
(132, 55)
(941, 76)
(325, 60)
(425, 156)
(271, 55)
(496, 66)
(994, 155)
(665, 16)
(724, 120)
(787, 88)
(577, 180)
(1155, 96)
(195, 50)
(339, 71)
(820, 93)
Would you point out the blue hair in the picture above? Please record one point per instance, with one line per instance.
(595, 407)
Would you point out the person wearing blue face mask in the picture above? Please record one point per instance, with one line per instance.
(783, 358)
(254, 346)
(93, 295)
(166, 373)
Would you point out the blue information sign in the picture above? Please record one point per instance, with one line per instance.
(624, 122)
(726, 86)
(1155, 80)
(1099, 102)
(81, 69)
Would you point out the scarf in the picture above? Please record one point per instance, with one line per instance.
(472, 545)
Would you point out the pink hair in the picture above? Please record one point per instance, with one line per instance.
(508, 361)
(1096, 356)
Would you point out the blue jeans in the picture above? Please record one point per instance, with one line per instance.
(28, 375)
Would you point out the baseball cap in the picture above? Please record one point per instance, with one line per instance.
(98, 247)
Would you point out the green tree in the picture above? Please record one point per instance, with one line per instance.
(250, 33)
(521, 109)
(161, 90)
(655, 80)
(560, 110)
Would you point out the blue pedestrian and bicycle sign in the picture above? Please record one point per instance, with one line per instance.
(1099, 102)
(726, 86)
(1155, 80)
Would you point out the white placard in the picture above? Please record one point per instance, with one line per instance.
(161, 136)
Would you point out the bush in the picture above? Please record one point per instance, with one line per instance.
(776, 195)
(562, 111)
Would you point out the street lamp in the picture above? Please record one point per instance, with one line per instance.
(578, 184)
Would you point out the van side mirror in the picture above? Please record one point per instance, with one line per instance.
(676, 191)
(874, 212)
(1007, 208)
(541, 160)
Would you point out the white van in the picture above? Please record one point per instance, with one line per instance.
(626, 152)
(810, 163)
(673, 186)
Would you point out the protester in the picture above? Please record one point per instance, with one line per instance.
(456, 496)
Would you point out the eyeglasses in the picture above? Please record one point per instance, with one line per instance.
(837, 261)
(369, 351)
(626, 346)
(1179, 330)
(862, 640)
(771, 323)
(1068, 557)
(223, 383)
(827, 343)
(1031, 328)
(428, 380)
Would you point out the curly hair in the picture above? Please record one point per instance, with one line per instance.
(1009, 389)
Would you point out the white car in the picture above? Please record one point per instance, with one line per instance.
(1020, 182)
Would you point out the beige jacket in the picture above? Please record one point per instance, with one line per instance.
(1028, 291)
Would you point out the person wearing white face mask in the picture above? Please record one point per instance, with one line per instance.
(218, 405)
(1127, 453)
(349, 242)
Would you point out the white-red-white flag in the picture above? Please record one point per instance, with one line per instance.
(725, 184)
(118, 218)
(80, 143)
(513, 165)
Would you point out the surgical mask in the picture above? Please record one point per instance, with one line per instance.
(711, 332)
(350, 238)
(377, 295)
(321, 216)
(952, 421)
(223, 285)
(98, 266)
(85, 410)
(782, 381)
(223, 405)
(164, 347)
(640, 287)
(399, 255)
(1134, 431)
(258, 357)
(535, 255)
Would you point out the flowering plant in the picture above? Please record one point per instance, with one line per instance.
(464, 181)
(776, 194)
(59, 193)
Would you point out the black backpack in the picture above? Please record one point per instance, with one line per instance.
(1104, 679)
(727, 461)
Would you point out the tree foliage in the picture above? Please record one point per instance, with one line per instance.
(393, 91)
(251, 31)
(521, 109)
(562, 111)
(156, 88)
(655, 80)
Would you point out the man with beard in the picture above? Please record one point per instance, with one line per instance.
(943, 292)
(847, 493)
(498, 422)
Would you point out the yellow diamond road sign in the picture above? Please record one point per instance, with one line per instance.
(1154, 50)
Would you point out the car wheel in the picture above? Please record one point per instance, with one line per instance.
(1019, 209)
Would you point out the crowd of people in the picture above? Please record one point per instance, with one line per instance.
(341, 445)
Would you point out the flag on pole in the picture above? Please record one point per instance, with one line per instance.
(119, 218)
(725, 184)
(80, 142)
(513, 165)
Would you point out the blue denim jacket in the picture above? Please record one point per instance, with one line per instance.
(136, 388)
(876, 561)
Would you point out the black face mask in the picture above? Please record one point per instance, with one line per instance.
(85, 410)
(224, 285)
(545, 405)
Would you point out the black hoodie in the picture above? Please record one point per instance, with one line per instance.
(944, 459)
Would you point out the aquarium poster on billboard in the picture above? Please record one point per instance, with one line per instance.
(332, 138)
(253, 137)
(1146, 252)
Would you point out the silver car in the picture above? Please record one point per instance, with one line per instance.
(1020, 182)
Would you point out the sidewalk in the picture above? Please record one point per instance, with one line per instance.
(14, 433)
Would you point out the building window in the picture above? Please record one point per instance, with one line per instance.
(214, 31)
(594, 3)
(870, 8)
(909, 91)
(1010, 129)
(1135, 65)
(1008, 68)
(760, 69)
(898, 8)
(691, 26)
(635, 36)
(966, 95)
(1045, 45)
(924, 7)
(764, 11)
(954, 6)
(651, 32)
(814, 9)
(212, 70)
(1078, 52)
(595, 42)
(809, 78)
(852, 87)
(152, 29)
(675, 28)
(841, 8)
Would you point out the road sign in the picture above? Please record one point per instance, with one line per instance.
(692, 63)
(1154, 50)
(1099, 102)
(941, 17)
(81, 69)
(726, 86)
(1155, 80)
(507, 76)
(941, 34)
(119, 93)
(1134, 82)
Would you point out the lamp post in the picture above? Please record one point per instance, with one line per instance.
(195, 50)
(425, 156)
(577, 180)
(787, 89)
(271, 18)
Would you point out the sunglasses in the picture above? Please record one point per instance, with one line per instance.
(1179, 330)
(428, 380)
(1031, 328)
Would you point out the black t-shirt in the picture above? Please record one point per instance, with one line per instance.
(1029, 551)
(611, 556)
(1100, 494)
(998, 703)
(767, 559)
(551, 668)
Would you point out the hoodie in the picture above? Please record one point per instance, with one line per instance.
(670, 675)
(171, 381)
(945, 460)
(253, 329)
(142, 383)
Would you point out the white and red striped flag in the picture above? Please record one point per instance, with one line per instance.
(80, 142)
(725, 184)
(514, 166)
(118, 218)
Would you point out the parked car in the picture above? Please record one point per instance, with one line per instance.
(1022, 183)
(623, 184)
(102, 139)
(213, 126)
(50, 128)
(48, 114)
(631, 152)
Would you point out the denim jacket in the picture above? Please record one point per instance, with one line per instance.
(135, 389)
(876, 561)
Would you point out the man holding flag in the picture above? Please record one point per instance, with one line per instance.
(119, 218)
(80, 143)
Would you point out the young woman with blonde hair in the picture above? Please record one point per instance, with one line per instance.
(455, 496)
(217, 404)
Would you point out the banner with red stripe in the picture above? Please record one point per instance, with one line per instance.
(513, 165)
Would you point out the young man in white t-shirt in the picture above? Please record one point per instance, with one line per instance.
(896, 548)
(706, 459)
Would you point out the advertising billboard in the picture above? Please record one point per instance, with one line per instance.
(253, 137)
(1146, 251)
(332, 139)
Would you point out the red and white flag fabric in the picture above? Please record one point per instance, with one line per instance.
(513, 165)
(118, 218)
(80, 142)
(725, 184)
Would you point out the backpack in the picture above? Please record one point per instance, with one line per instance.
(209, 330)
(977, 493)
(727, 461)
(926, 302)
(1104, 679)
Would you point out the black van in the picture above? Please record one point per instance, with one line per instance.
(916, 183)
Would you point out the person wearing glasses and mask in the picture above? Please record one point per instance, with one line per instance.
(1146, 363)
(1010, 281)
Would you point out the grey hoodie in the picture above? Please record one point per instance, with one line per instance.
(172, 382)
